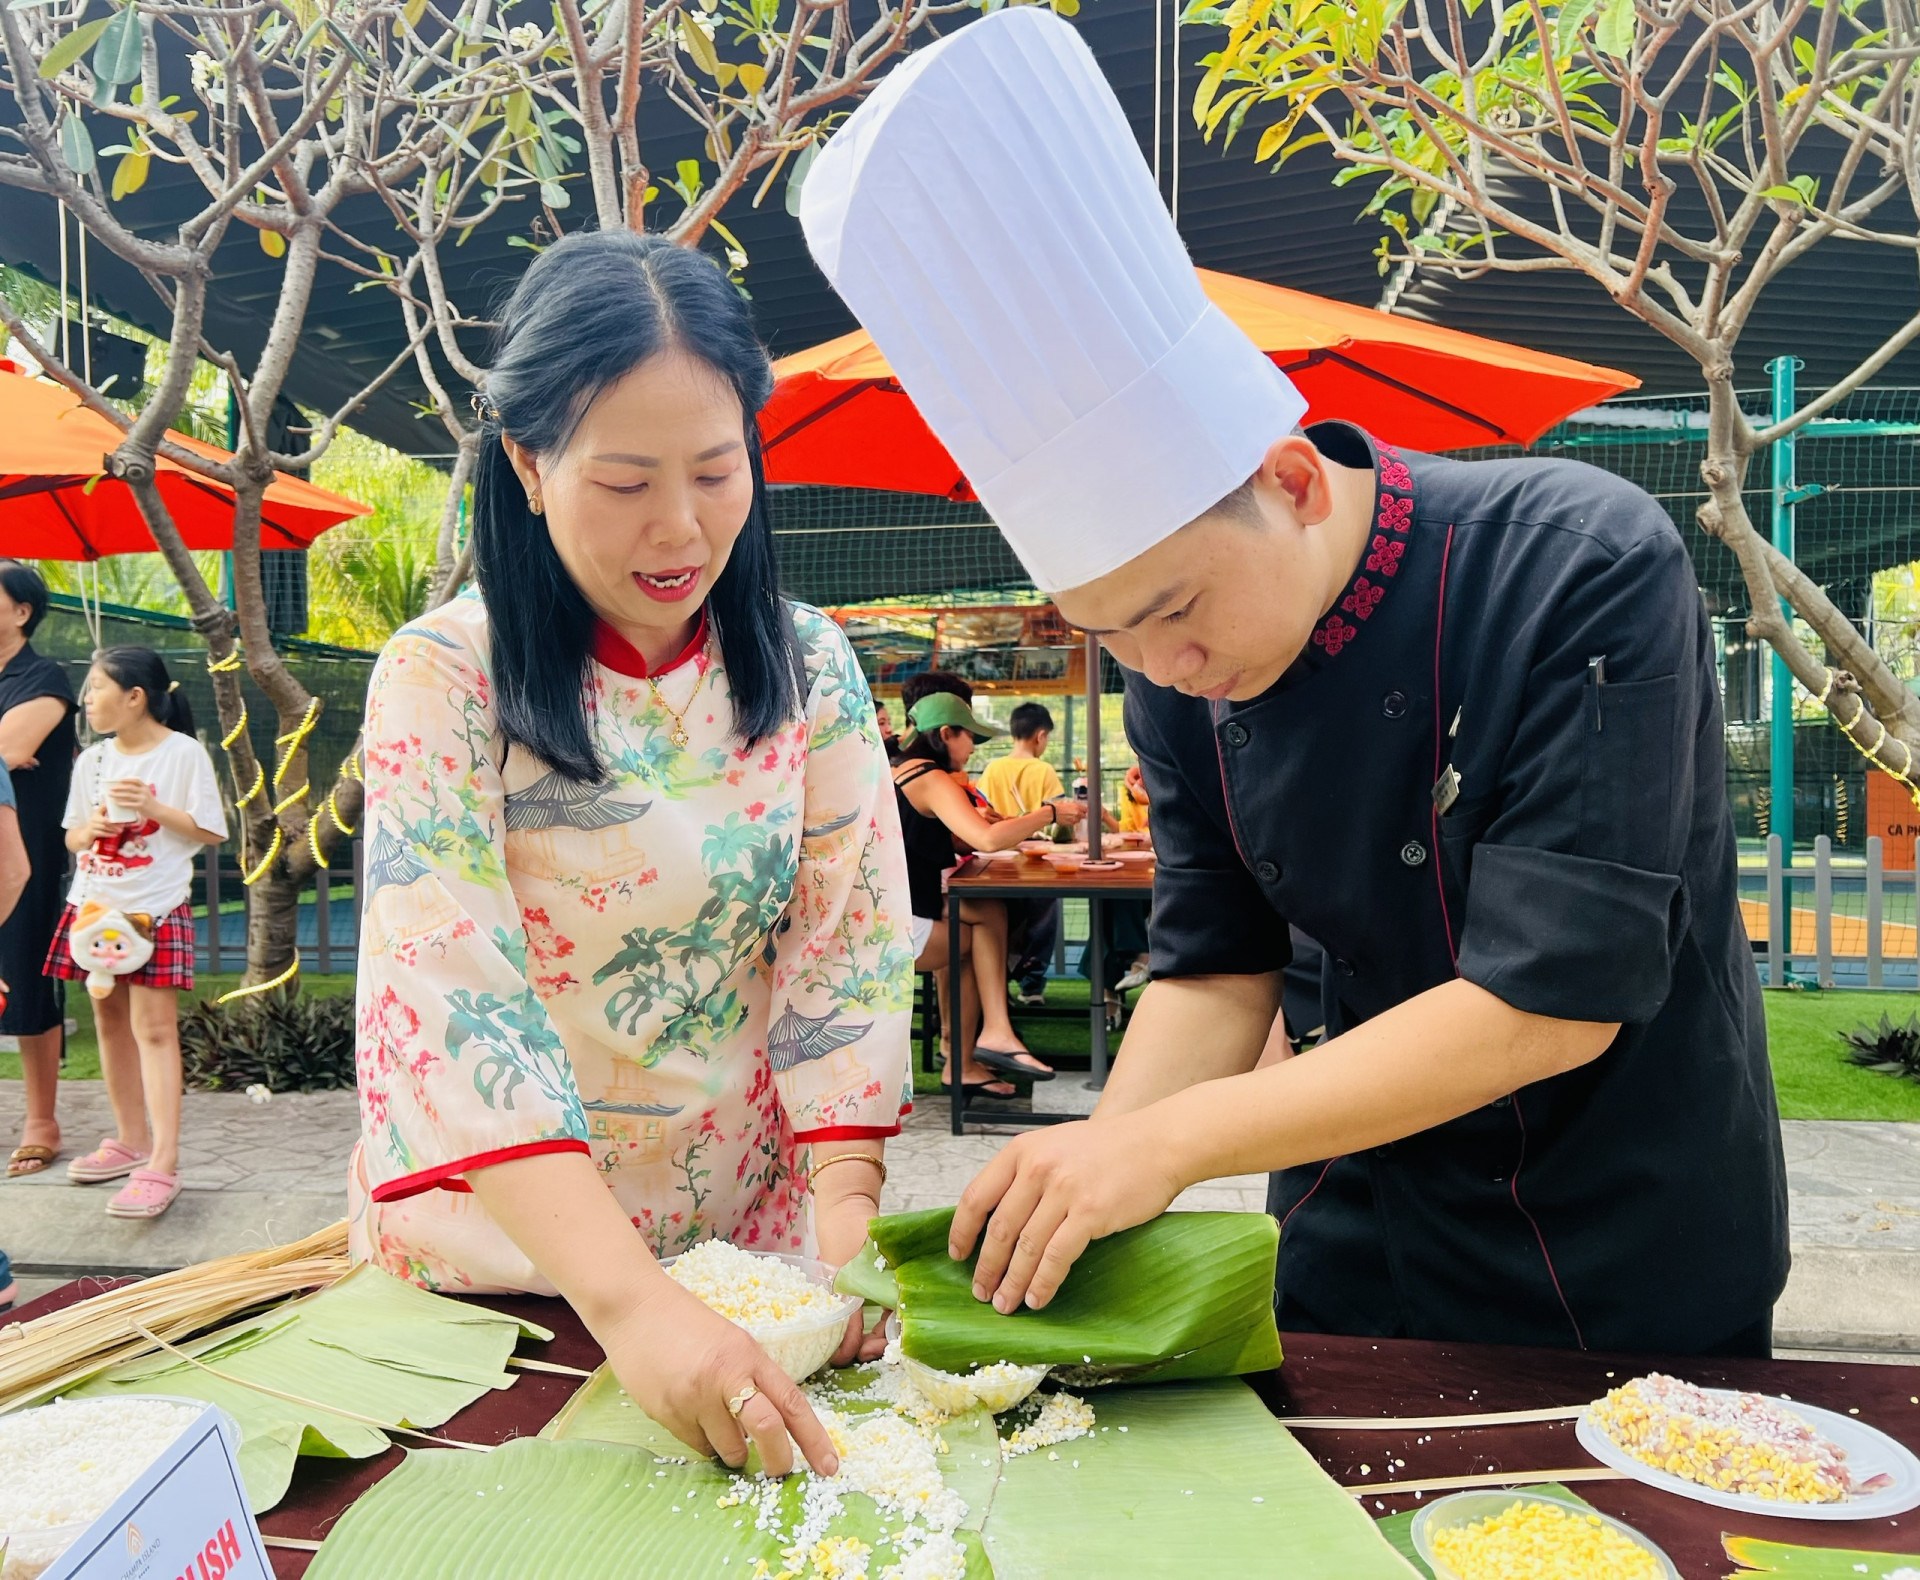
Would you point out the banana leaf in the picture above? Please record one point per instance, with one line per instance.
(369, 1345)
(1816, 1563)
(1202, 1480)
(601, 1411)
(603, 1492)
(1188, 1295)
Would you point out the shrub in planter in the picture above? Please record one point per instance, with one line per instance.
(284, 1041)
(1886, 1048)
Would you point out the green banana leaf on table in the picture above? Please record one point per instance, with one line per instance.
(1189, 1294)
(1816, 1563)
(1203, 1478)
(369, 1345)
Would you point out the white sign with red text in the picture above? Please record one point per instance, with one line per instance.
(186, 1518)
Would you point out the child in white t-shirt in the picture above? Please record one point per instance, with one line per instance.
(142, 804)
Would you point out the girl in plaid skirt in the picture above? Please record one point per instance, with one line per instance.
(142, 804)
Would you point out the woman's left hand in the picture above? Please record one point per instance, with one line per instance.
(840, 1228)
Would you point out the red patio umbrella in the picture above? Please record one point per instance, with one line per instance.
(56, 505)
(838, 415)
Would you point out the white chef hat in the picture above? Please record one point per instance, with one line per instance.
(988, 217)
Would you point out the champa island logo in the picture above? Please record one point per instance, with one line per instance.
(135, 1541)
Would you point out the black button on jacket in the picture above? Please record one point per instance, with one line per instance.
(1585, 870)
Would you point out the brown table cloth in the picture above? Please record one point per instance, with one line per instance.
(1323, 1375)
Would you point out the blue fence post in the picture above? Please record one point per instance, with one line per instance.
(1779, 942)
(1781, 815)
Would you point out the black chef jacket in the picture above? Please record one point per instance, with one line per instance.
(1536, 625)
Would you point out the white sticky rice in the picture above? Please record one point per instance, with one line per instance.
(63, 1464)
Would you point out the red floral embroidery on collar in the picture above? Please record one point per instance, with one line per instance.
(1392, 524)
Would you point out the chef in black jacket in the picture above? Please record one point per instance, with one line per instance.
(1458, 721)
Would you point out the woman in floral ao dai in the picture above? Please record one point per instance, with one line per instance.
(638, 929)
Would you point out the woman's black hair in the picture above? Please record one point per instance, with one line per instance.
(24, 584)
(128, 667)
(928, 746)
(589, 310)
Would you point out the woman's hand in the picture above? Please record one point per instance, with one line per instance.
(1048, 1194)
(842, 1210)
(1068, 811)
(132, 795)
(683, 1363)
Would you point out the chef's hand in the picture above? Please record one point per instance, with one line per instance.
(131, 795)
(845, 1202)
(683, 1362)
(1050, 1193)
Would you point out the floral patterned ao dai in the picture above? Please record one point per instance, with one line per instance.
(687, 972)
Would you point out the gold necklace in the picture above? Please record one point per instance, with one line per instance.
(679, 737)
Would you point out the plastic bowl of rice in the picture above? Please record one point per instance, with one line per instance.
(786, 1302)
(62, 1465)
(998, 1387)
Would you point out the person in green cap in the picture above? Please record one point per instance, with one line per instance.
(942, 733)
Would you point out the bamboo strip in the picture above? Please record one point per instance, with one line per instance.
(311, 1404)
(1421, 1423)
(1497, 1478)
(63, 1348)
(527, 1365)
(297, 1544)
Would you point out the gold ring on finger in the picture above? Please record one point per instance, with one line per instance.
(739, 1401)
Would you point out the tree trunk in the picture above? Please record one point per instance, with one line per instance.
(1864, 697)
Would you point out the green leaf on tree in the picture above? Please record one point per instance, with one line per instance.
(1613, 32)
(1566, 27)
(699, 46)
(116, 58)
(76, 145)
(799, 178)
(72, 47)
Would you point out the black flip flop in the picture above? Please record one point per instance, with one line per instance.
(978, 1089)
(1008, 1064)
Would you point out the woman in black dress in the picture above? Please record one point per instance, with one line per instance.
(37, 744)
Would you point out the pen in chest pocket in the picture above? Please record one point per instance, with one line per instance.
(1596, 679)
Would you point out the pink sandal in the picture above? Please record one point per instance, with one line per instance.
(147, 1194)
(108, 1161)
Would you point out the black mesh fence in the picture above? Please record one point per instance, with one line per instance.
(903, 560)
(337, 676)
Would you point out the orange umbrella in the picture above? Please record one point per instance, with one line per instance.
(838, 416)
(56, 505)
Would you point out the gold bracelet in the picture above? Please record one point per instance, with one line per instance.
(818, 1169)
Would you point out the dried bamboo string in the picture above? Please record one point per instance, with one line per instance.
(66, 1347)
(1494, 1478)
(1421, 1423)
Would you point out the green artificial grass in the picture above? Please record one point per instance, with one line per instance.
(83, 1048)
(1810, 1069)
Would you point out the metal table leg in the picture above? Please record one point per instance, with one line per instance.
(956, 1016)
(1096, 994)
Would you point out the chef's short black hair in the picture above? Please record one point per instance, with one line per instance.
(24, 584)
(1240, 504)
(589, 310)
(1028, 720)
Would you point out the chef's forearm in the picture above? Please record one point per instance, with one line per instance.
(555, 1208)
(1189, 1029)
(1436, 1056)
